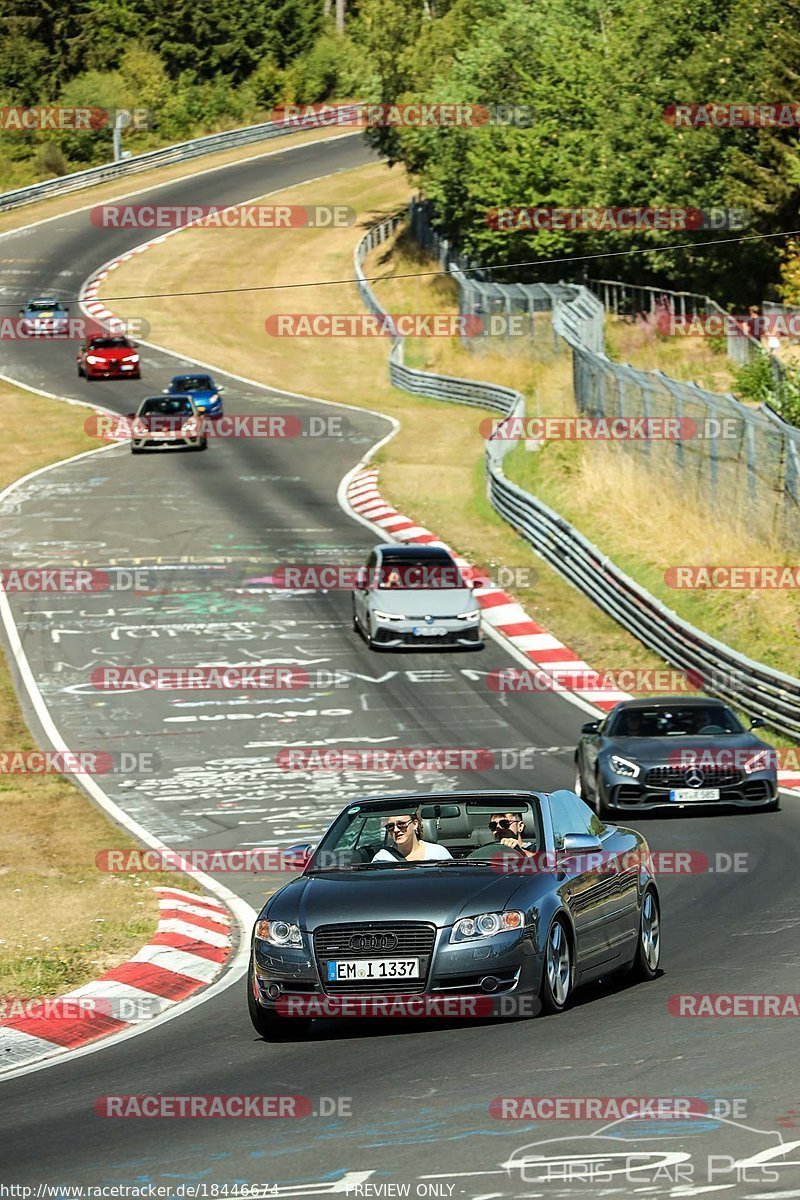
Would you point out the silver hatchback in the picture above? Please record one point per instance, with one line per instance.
(415, 596)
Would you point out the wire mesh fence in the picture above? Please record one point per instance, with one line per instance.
(741, 460)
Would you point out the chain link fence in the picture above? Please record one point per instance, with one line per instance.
(741, 460)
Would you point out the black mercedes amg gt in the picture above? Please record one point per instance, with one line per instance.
(504, 930)
(673, 752)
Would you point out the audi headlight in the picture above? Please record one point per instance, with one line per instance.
(624, 766)
(278, 933)
(475, 615)
(486, 925)
(761, 761)
(382, 616)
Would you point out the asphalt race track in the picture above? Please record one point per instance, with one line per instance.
(412, 1100)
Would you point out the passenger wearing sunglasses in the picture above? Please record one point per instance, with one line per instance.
(507, 829)
(406, 841)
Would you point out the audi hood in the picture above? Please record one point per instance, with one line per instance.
(397, 893)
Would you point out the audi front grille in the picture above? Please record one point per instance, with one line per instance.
(375, 940)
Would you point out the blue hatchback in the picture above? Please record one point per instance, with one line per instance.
(205, 393)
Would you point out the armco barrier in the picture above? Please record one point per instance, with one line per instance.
(750, 685)
(179, 152)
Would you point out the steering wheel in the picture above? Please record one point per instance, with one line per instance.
(710, 729)
(494, 849)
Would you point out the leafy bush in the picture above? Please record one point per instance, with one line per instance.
(755, 381)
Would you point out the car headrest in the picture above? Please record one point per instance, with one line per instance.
(429, 832)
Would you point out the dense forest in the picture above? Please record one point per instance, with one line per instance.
(595, 76)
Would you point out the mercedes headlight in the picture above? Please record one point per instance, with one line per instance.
(624, 766)
(762, 760)
(278, 933)
(382, 616)
(486, 925)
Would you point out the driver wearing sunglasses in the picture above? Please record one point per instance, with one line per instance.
(507, 829)
(404, 835)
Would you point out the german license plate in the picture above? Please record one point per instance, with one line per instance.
(689, 794)
(346, 970)
(428, 631)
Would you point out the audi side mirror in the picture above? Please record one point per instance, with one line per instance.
(581, 843)
(296, 858)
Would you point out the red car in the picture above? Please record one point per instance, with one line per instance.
(109, 356)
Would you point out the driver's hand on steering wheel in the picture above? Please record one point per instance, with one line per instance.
(515, 844)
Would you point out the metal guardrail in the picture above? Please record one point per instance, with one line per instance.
(724, 672)
(179, 152)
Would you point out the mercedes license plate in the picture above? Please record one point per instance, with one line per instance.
(344, 970)
(688, 794)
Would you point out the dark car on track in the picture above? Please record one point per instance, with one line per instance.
(480, 921)
(673, 752)
(109, 356)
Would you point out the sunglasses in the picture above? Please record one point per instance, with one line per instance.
(400, 826)
(504, 824)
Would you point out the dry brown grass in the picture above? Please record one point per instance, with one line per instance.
(690, 359)
(62, 922)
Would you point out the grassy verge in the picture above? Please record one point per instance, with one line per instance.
(62, 922)
(691, 359)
